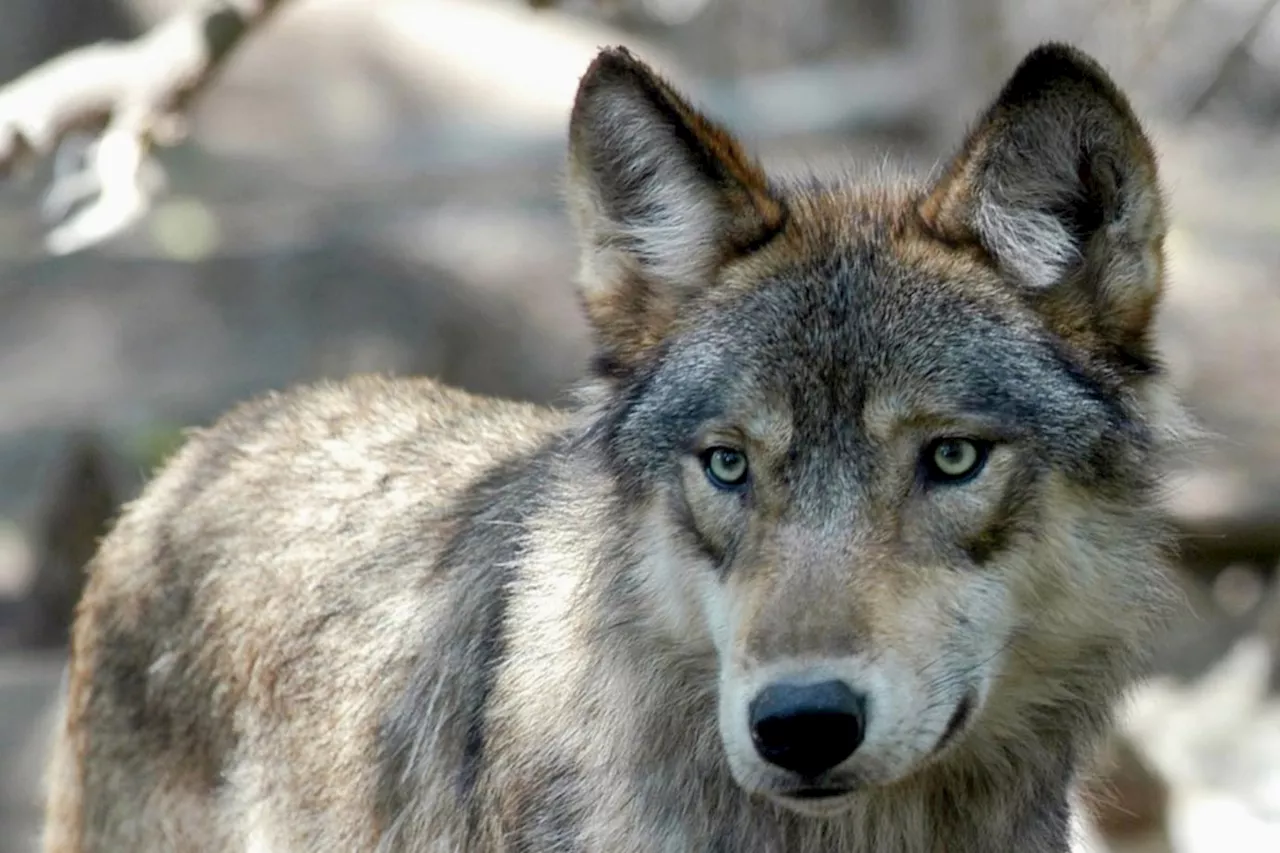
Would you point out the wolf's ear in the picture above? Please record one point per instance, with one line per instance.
(1057, 184)
(661, 196)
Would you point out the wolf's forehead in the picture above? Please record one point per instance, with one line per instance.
(853, 338)
(859, 315)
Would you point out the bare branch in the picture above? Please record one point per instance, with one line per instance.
(128, 97)
(103, 108)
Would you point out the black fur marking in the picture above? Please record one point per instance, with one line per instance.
(1048, 67)
(1084, 213)
(1136, 362)
(606, 365)
(492, 644)
(759, 241)
(486, 545)
(1014, 515)
(686, 521)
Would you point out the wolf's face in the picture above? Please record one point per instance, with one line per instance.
(893, 446)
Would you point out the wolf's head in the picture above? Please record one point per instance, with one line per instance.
(895, 448)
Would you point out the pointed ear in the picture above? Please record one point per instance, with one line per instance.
(1057, 185)
(661, 196)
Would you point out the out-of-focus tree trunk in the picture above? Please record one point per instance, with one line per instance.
(79, 507)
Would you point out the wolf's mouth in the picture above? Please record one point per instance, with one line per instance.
(817, 793)
(957, 722)
(816, 801)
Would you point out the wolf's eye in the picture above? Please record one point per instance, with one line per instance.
(726, 468)
(954, 460)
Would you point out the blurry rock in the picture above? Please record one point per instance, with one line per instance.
(1213, 742)
(1128, 800)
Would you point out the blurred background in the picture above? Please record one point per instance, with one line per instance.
(373, 185)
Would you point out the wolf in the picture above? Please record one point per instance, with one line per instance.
(846, 542)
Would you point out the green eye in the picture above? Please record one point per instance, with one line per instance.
(726, 468)
(954, 460)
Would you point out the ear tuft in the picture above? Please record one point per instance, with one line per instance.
(1057, 184)
(661, 195)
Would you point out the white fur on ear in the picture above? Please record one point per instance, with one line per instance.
(656, 211)
(1034, 245)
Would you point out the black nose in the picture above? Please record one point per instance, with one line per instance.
(807, 728)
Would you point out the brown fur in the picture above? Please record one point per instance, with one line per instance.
(384, 615)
